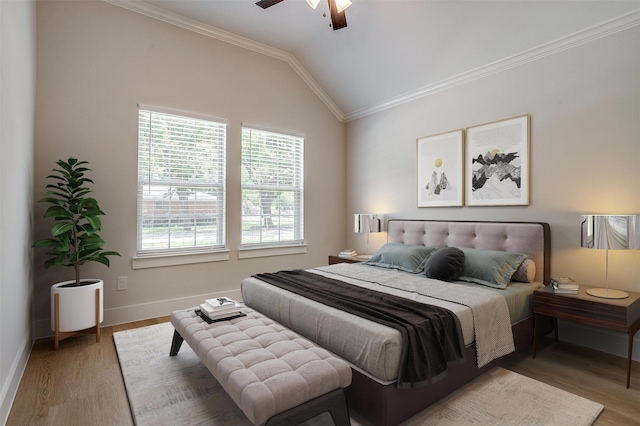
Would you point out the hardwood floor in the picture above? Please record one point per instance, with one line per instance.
(81, 383)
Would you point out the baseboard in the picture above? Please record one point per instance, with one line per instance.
(10, 387)
(131, 313)
(601, 339)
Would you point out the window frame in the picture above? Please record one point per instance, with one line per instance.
(297, 244)
(192, 254)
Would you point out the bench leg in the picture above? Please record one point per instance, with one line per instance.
(176, 343)
(333, 402)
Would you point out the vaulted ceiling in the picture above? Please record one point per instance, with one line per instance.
(393, 51)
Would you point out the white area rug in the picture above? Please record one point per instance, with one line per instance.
(179, 390)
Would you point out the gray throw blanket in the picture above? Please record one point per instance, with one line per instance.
(431, 335)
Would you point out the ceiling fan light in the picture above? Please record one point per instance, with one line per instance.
(313, 3)
(341, 5)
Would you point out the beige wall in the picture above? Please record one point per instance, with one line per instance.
(585, 150)
(17, 110)
(96, 62)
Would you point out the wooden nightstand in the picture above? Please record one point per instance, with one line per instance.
(337, 259)
(613, 314)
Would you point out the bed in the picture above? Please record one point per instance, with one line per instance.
(372, 349)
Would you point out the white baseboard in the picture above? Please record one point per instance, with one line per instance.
(10, 387)
(601, 339)
(131, 313)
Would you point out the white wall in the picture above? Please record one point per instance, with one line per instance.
(17, 108)
(96, 62)
(585, 154)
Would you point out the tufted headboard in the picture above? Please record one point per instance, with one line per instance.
(530, 238)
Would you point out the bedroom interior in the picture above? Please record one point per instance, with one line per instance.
(73, 74)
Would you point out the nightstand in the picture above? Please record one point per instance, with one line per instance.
(613, 314)
(337, 259)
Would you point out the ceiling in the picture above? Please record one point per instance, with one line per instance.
(396, 50)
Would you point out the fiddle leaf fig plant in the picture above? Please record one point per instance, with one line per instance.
(75, 240)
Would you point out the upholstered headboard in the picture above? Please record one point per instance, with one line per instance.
(530, 238)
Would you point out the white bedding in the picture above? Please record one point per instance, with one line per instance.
(484, 315)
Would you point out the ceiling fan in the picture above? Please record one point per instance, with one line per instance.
(336, 7)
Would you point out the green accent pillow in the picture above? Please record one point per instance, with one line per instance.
(404, 257)
(492, 268)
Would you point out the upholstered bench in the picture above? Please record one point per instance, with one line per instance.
(274, 375)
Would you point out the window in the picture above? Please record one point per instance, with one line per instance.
(272, 187)
(181, 183)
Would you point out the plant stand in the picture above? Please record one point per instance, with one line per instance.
(61, 335)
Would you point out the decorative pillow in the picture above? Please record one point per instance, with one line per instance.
(445, 264)
(526, 272)
(492, 268)
(405, 257)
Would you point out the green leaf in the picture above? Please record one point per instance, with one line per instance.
(61, 228)
(58, 212)
(95, 222)
(46, 242)
(103, 259)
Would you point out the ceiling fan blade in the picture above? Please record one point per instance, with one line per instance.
(267, 3)
(338, 20)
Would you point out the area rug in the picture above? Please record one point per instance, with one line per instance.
(164, 390)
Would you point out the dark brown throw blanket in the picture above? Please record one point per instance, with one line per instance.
(431, 336)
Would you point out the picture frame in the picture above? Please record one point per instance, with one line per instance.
(497, 163)
(439, 169)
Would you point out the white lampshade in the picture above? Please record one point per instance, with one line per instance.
(609, 232)
(367, 223)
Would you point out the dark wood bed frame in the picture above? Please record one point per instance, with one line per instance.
(387, 405)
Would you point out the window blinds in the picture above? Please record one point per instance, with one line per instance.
(272, 187)
(181, 182)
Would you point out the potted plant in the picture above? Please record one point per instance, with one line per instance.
(76, 305)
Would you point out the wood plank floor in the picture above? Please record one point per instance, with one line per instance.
(81, 383)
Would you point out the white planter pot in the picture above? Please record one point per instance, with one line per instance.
(77, 305)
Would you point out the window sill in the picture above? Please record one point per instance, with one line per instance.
(252, 252)
(158, 261)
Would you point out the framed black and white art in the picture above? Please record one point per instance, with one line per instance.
(440, 171)
(497, 163)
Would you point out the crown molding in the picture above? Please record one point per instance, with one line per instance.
(227, 37)
(605, 29)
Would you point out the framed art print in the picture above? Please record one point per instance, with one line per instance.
(439, 169)
(497, 163)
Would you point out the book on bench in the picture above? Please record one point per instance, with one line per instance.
(220, 307)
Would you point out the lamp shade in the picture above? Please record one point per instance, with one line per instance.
(611, 232)
(366, 223)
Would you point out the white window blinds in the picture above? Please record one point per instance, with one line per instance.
(181, 183)
(272, 187)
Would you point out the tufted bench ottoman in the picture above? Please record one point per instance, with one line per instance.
(272, 374)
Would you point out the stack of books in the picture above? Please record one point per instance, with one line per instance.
(564, 285)
(221, 307)
(347, 253)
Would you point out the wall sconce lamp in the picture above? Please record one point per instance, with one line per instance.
(367, 223)
(610, 232)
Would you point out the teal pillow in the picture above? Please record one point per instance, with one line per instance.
(492, 268)
(404, 257)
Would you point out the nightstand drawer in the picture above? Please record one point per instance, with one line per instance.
(337, 259)
(573, 307)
